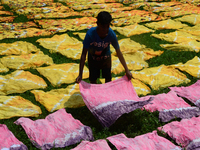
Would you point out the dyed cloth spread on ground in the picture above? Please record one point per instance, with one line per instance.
(62, 130)
(195, 30)
(184, 132)
(148, 141)
(170, 106)
(8, 141)
(20, 81)
(190, 92)
(17, 48)
(17, 26)
(109, 101)
(7, 19)
(26, 61)
(81, 35)
(59, 74)
(3, 68)
(17, 106)
(191, 66)
(96, 145)
(69, 97)
(160, 77)
(63, 44)
(193, 19)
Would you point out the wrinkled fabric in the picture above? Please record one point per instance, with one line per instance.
(3, 68)
(26, 61)
(3, 12)
(148, 141)
(170, 106)
(194, 30)
(109, 101)
(20, 81)
(96, 145)
(160, 77)
(81, 35)
(59, 74)
(17, 106)
(17, 26)
(7, 19)
(193, 19)
(190, 92)
(62, 130)
(8, 141)
(69, 97)
(183, 132)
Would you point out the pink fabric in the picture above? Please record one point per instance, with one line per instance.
(190, 92)
(8, 140)
(183, 132)
(149, 141)
(96, 145)
(109, 101)
(58, 129)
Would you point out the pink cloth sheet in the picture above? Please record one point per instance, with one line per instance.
(8, 141)
(96, 145)
(148, 141)
(190, 92)
(109, 101)
(58, 129)
(186, 132)
(170, 106)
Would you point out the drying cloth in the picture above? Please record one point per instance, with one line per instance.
(59, 74)
(8, 141)
(96, 145)
(7, 19)
(2, 12)
(191, 66)
(109, 101)
(55, 99)
(183, 132)
(176, 37)
(17, 48)
(170, 106)
(17, 26)
(16, 106)
(132, 30)
(3, 68)
(140, 88)
(192, 45)
(20, 81)
(160, 77)
(26, 61)
(166, 24)
(193, 19)
(195, 30)
(148, 141)
(62, 130)
(64, 44)
(190, 92)
(81, 35)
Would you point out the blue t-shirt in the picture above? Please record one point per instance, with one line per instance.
(97, 46)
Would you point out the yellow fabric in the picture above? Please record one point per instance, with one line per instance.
(17, 48)
(16, 26)
(148, 53)
(3, 68)
(184, 46)
(69, 97)
(132, 30)
(195, 30)
(58, 74)
(26, 61)
(20, 81)
(116, 65)
(166, 24)
(63, 44)
(81, 35)
(7, 19)
(140, 88)
(176, 37)
(17, 106)
(2, 12)
(193, 19)
(160, 77)
(192, 67)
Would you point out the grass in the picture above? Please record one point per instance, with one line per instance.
(133, 124)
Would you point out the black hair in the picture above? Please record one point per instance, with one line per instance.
(104, 17)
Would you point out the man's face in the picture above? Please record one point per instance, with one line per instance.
(103, 28)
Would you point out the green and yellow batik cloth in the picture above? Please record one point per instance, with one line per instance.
(17, 106)
(17, 26)
(64, 73)
(7, 19)
(195, 30)
(176, 37)
(20, 81)
(63, 44)
(17, 48)
(192, 67)
(160, 77)
(69, 97)
(26, 61)
(193, 19)
(132, 30)
(192, 45)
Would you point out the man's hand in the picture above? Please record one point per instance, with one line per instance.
(78, 79)
(129, 75)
